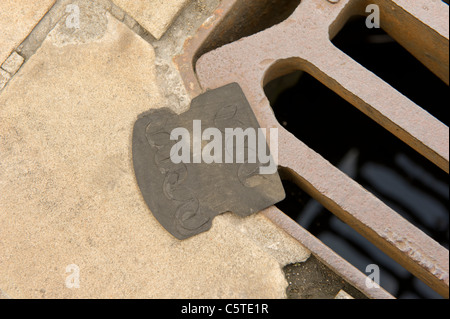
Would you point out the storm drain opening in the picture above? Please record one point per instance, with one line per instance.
(404, 180)
(394, 156)
(350, 245)
(378, 52)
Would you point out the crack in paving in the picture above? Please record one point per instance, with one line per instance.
(93, 27)
(170, 44)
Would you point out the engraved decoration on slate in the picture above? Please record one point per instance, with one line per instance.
(185, 198)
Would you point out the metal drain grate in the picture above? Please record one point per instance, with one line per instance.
(302, 42)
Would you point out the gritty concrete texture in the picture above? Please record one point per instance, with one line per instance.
(4, 295)
(13, 63)
(68, 194)
(154, 15)
(170, 81)
(271, 238)
(117, 12)
(92, 24)
(17, 19)
(4, 78)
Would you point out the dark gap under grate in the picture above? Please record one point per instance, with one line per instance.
(350, 245)
(314, 280)
(247, 18)
(381, 54)
(373, 157)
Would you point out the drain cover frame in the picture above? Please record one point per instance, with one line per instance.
(186, 197)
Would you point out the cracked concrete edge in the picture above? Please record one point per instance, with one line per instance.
(169, 45)
(285, 249)
(145, 12)
(168, 77)
(183, 27)
(35, 38)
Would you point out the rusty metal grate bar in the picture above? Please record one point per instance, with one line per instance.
(302, 42)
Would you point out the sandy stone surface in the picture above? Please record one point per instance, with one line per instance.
(4, 78)
(69, 200)
(154, 15)
(13, 63)
(17, 19)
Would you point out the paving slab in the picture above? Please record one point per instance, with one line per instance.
(13, 63)
(70, 207)
(17, 19)
(4, 78)
(154, 15)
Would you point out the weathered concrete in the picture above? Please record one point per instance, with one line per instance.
(13, 63)
(154, 15)
(68, 194)
(4, 78)
(17, 19)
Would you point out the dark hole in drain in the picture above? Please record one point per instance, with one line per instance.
(248, 17)
(385, 166)
(314, 280)
(381, 54)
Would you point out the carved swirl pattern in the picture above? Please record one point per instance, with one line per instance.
(248, 173)
(188, 217)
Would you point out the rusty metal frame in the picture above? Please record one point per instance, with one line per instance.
(302, 42)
